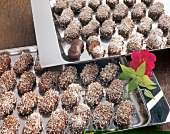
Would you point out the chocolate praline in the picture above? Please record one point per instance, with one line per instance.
(94, 4)
(164, 23)
(112, 3)
(147, 2)
(5, 63)
(77, 5)
(60, 6)
(129, 3)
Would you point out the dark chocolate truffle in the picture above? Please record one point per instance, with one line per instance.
(112, 3)
(138, 11)
(85, 15)
(156, 10)
(60, 6)
(24, 63)
(107, 29)
(90, 40)
(126, 27)
(33, 124)
(37, 67)
(116, 45)
(114, 93)
(94, 94)
(135, 42)
(77, 5)
(129, 3)
(89, 73)
(120, 12)
(68, 76)
(98, 52)
(94, 4)
(164, 23)
(147, 2)
(28, 101)
(26, 82)
(48, 102)
(5, 63)
(102, 115)
(103, 13)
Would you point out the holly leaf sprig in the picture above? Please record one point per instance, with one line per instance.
(138, 78)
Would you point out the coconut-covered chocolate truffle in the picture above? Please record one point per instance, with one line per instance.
(94, 94)
(102, 115)
(77, 5)
(126, 27)
(85, 15)
(91, 29)
(98, 52)
(164, 23)
(147, 2)
(123, 115)
(72, 31)
(156, 10)
(10, 125)
(115, 45)
(89, 73)
(7, 81)
(112, 3)
(65, 18)
(108, 73)
(138, 11)
(145, 26)
(24, 63)
(129, 3)
(37, 66)
(26, 82)
(48, 80)
(33, 124)
(168, 38)
(120, 12)
(58, 122)
(60, 6)
(107, 29)
(5, 63)
(135, 42)
(28, 101)
(114, 93)
(7, 103)
(94, 4)
(90, 40)
(68, 76)
(48, 102)
(103, 13)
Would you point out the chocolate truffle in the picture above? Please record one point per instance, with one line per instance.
(24, 63)
(107, 29)
(135, 42)
(89, 73)
(147, 2)
(77, 5)
(7, 103)
(156, 10)
(94, 94)
(76, 49)
(10, 125)
(48, 102)
(37, 67)
(126, 27)
(60, 6)
(5, 63)
(85, 15)
(145, 26)
(103, 13)
(33, 124)
(58, 122)
(108, 73)
(90, 40)
(7, 81)
(47, 81)
(102, 115)
(27, 103)
(26, 82)
(115, 45)
(114, 93)
(91, 29)
(120, 12)
(98, 52)
(123, 115)
(68, 76)
(94, 4)
(164, 23)
(112, 3)
(138, 11)
(168, 38)
(72, 31)
(129, 3)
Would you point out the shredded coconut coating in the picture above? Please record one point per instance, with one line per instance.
(164, 22)
(5, 63)
(112, 3)
(77, 5)
(129, 3)
(147, 2)
(89, 73)
(98, 52)
(61, 5)
(33, 124)
(90, 40)
(94, 4)
(28, 101)
(37, 67)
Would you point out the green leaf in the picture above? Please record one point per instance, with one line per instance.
(148, 81)
(128, 71)
(148, 94)
(132, 85)
(147, 86)
(124, 77)
(141, 69)
(126, 95)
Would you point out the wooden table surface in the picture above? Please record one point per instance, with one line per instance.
(17, 29)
